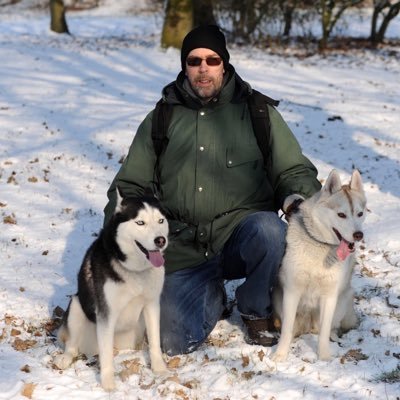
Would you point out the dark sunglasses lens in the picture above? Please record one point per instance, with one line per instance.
(212, 61)
(196, 61)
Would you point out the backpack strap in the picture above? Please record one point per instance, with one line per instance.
(259, 114)
(159, 127)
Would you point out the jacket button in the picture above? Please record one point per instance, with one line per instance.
(229, 162)
(202, 113)
(201, 148)
(200, 189)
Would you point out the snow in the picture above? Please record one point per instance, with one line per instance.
(69, 107)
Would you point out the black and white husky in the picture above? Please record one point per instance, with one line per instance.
(119, 283)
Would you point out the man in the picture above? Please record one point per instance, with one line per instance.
(220, 200)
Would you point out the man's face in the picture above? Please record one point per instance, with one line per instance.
(205, 80)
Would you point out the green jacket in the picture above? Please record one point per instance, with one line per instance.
(212, 172)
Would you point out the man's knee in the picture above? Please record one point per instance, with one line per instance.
(267, 225)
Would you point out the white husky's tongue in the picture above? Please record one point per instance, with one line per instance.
(156, 258)
(344, 250)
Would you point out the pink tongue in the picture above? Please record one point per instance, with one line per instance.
(343, 250)
(156, 258)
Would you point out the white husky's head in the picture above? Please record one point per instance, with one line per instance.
(141, 231)
(337, 214)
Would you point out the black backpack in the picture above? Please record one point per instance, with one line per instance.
(258, 108)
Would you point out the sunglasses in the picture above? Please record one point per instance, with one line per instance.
(210, 61)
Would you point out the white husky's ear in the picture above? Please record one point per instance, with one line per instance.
(120, 196)
(356, 181)
(333, 184)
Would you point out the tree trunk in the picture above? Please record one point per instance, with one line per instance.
(374, 24)
(58, 23)
(393, 9)
(288, 8)
(177, 23)
(331, 11)
(203, 12)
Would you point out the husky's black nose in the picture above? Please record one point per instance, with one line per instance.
(358, 235)
(160, 241)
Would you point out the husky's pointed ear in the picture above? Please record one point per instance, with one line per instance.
(120, 197)
(333, 184)
(356, 181)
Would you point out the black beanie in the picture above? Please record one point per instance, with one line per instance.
(207, 37)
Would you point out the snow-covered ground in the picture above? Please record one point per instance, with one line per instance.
(69, 107)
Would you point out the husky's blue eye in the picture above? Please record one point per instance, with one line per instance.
(161, 221)
(341, 215)
(140, 222)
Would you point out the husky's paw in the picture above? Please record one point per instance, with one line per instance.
(159, 367)
(334, 337)
(279, 356)
(63, 361)
(324, 355)
(108, 383)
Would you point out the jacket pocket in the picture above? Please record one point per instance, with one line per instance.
(243, 154)
(182, 232)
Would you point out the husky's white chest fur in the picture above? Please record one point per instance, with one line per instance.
(314, 292)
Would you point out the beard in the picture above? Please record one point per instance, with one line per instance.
(206, 87)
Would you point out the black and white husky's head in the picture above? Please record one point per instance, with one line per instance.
(141, 231)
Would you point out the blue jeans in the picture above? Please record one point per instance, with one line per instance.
(193, 299)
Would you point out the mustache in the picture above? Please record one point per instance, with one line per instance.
(201, 77)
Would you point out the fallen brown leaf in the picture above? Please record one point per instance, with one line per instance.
(27, 390)
(11, 178)
(245, 361)
(15, 332)
(174, 362)
(248, 375)
(26, 368)
(353, 355)
(9, 319)
(22, 345)
(10, 219)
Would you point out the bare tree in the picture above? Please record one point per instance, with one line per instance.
(181, 16)
(330, 12)
(287, 8)
(203, 12)
(386, 10)
(178, 21)
(57, 13)
(245, 16)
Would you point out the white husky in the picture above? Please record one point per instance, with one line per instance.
(314, 293)
(120, 279)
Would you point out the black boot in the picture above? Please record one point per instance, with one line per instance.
(259, 331)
